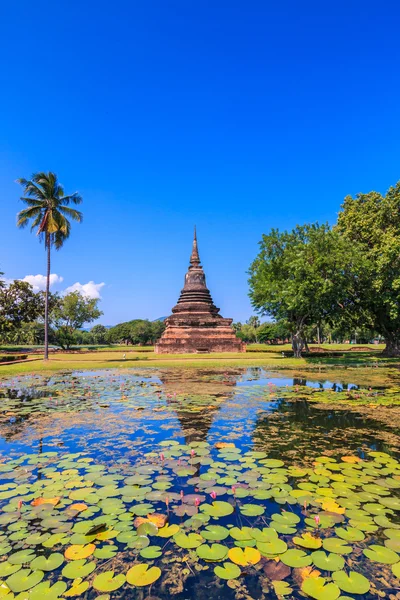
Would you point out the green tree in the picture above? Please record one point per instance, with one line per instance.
(372, 221)
(48, 212)
(99, 334)
(303, 277)
(73, 311)
(254, 321)
(18, 304)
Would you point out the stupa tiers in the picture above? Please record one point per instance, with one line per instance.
(195, 324)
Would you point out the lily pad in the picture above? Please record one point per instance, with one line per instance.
(318, 588)
(46, 591)
(382, 555)
(327, 562)
(191, 540)
(244, 557)
(336, 545)
(296, 558)
(107, 582)
(23, 580)
(217, 509)
(212, 553)
(78, 568)
(227, 571)
(352, 583)
(215, 533)
(51, 563)
(141, 575)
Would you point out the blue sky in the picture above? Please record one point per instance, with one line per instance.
(234, 116)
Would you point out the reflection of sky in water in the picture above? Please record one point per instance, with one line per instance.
(119, 415)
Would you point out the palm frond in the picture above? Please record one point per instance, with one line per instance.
(26, 214)
(76, 215)
(32, 202)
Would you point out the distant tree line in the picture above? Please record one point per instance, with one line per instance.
(340, 279)
(22, 320)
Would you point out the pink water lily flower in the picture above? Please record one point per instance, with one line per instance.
(213, 495)
(162, 456)
(197, 502)
(317, 520)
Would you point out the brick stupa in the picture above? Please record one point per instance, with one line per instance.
(195, 324)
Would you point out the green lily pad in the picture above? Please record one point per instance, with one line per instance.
(350, 534)
(273, 547)
(51, 563)
(217, 509)
(78, 569)
(107, 582)
(108, 551)
(252, 510)
(282, 588)
(241, 534)
(318, 588)
(23, 580)
(191, 540)
(327, 562)
(227, 571)
(45, 591)
(212, 553)
(336, 545)
(151, 552)
(7, 569)
(147, 529)
(382, 555)
(21, 557)
(352, 583)
(215, 533)
(141, 575)
(295, 558)
(308, 541)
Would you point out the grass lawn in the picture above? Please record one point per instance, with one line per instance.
(273, 359)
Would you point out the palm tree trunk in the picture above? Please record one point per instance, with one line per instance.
(46, 305)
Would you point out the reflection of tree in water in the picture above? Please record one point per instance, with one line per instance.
(298, 429)
(196, 395)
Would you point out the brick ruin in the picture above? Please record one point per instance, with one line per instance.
(195, 325)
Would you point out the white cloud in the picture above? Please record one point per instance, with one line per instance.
(38, 282)
(90, 289)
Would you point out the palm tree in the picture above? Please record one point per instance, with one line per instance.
(48, 212)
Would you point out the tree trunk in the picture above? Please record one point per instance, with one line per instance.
(392, 346)
(297, 344)
(46, 305)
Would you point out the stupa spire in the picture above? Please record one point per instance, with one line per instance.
(195, 258)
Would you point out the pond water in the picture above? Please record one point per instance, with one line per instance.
(159, 483)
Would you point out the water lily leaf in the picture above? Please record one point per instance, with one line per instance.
(392, 503)
(241, 534)
(141, 575)
(78, 569)
(21, 557)
(78, 588)
(7, 569)
(23, 580)
(350, 534)
(217, 509)
(327, 562)
(336, 545)
(52, 562)
(252, 510)
(296, 558)
(227, 571)
(282, 588)
(168, 531)
(151, 552)
(244, 557)
(272, 547)
(382, 555)
(352, 583)
(212, 553)
(308, 541)
(76, 552)
(191, 540)
(285, 518)
(147, 528)
(108, 551)
(106, 582)
(320, 590)
(215, 533)
(45, 591)
(396, 570)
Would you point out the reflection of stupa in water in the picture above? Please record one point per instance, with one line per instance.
(196, 396)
